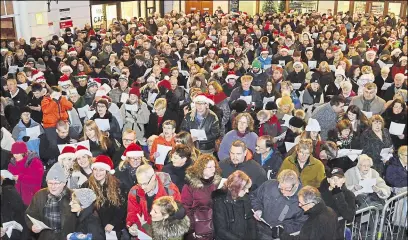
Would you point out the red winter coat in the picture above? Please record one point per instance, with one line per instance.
(30, 171)
(137, 203)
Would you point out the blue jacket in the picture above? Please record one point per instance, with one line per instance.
(396, 175)
(266, 61)
(19, 132)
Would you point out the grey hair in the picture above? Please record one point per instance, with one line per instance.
(310, 194)
(364, 157)
(288, 176)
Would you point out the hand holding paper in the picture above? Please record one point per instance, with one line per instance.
(199, 134)
(33, 132)
(162, 150)
(103, 124)
(367, 185)
(38, 223)
(397, 128)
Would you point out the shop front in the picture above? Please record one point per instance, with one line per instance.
(104, 12)
(8, 30)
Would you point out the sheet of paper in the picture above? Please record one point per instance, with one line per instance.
(152, 97)
(381, 63)
(106, 87)
(12, 225)
(345, 108)
(103, 124)
(386, 85)
(314, 35)
(289, 145)
(368, 114)
(290, 52)
(163, 150)
(13, 69)
(267, 66)
(124, 97)
(199, 134)
(282, 63)
(386, 153)
(131, 107)
(247, 99)
(332, 68)
(350, 153)
(23, 86)
(223, 180)
(6, 174)
(33, 132)
(268, 99)
(296, 86)
(390, 65)
(111, 235)
(143, 236)
(82, 111)
(286, 118)
(38, 222)
(367, 185)
(351, 61)
(90, 114)
(75, 145)
(312, 64)
(343, 47)
(396, 128)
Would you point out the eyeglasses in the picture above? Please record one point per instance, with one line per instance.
(127, 140)
(304, 153)
(304, 204)
(286, 190)
(147, 184)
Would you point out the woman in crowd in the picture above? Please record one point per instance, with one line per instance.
(216, 93)
(396, 113)
(102, 113)
(358, 120)
(312, 132)
(82, 166)
(243, 129)
(396, 175)
(110, 202)
(185, 138)
(326, 76)
(344, 136)
(374, 139)
(270, 93)
(202, 178)
(99, 143)
(232, 215)
(27, 170)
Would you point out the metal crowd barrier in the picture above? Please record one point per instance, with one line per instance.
(364, 225)
(393, 224)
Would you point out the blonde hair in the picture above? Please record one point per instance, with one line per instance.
(102, 139)
(377, 118)
(402, 149)
(160, 103)
(324, 65)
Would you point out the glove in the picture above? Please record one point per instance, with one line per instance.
(277, 231)
(26, 138)
(336, 190)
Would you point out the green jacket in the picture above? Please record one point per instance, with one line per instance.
(312, 174)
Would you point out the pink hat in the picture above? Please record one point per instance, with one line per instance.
(133, 150)
(19, 147)
(103, 162)
(82, 150)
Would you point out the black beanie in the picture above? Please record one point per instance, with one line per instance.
(296, 122)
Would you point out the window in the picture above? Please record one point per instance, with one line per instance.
(394, 8)
(248, 7)
(130, 10)
(377, 8)
(343, 6)
(359, 7)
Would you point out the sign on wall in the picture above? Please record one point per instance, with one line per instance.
(98, 16)
(65, 18)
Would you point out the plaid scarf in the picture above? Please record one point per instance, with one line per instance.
(52, 211)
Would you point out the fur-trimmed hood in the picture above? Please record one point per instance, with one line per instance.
(195, 181)
(170, 228)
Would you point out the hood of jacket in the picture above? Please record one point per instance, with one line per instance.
(170, 228)
(195, 182)
(28, 158)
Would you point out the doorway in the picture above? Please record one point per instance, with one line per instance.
(199, 6)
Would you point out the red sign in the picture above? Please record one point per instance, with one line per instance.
(66, 24)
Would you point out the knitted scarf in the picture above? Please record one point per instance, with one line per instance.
(52, 211)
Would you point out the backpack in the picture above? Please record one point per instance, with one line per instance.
(164, 177)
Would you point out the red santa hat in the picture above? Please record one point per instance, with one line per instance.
(284, 48)
(98, 81)
(102, 32)
(208, 40)
(231, 74)
(82, 150)
(133, 151)
(203, 98)
(218, 68)
(103, 162)
(281, 35)
(335, 48)
(72, 51)
(211, 50)
(264, 50)
(371, 51)
(66, 68)
(37, 76)
(67, 152)
(275, 31)
(224, 48)
(64, 81)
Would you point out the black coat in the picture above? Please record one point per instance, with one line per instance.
(390, 92)
(96, 149)
(13, 209)
(177, 174)
(272, 164)
(89, 222)
(127, 181)
(389, 117)
(35, 102)
(321, 224)
(114, 130)
(232, 219)
(153, 129)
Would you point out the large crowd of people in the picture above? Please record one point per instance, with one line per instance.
(200, 126)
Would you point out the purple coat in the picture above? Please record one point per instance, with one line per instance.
(396, 175)
(30, 171)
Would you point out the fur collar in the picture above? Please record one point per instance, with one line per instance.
(195, 181)
(167, 229)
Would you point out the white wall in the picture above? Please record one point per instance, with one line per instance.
(323, 6)
(26, 17)
(222, 4)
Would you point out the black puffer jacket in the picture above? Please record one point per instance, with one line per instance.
(89, 222)
(232, 219)
(209, 124)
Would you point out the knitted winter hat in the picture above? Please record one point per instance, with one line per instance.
(256, 64)
(298, 64)
(239, 105)
(313, 125)
(133, 150)
(135, 91)
(296, 122)
(57, 173)
(165, 84)
(19, 147)
(85, 196)
(285, 100)
(82, 150)
(67, 152)
(103, 162)
(271, 106)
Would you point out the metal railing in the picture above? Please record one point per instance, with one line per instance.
(364, 225)
(393, 224)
